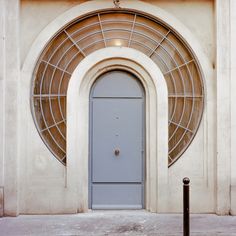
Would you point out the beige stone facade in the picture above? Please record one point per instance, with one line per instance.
(33, 181)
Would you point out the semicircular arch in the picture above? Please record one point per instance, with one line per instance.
(168, 44)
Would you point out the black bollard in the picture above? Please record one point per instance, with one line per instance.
(186, 221)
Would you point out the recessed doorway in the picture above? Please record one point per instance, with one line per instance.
(117, 161)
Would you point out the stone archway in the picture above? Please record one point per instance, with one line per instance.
(156, 122)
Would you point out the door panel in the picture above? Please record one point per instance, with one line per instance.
(117, 124)
(117, 196)
(117, 84)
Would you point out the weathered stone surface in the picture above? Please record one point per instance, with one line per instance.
(1, 201)
(132, 223)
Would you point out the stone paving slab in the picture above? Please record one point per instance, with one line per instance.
(114, 223)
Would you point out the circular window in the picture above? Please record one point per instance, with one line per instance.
(109, 28)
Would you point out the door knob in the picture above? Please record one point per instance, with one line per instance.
(117, 152)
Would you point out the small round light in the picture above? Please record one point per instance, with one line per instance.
(118, 43)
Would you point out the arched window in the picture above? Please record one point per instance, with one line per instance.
(127, 28)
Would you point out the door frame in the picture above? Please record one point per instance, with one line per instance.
(156, 125)
(91, 135)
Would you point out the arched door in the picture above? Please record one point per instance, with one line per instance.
(117, 142)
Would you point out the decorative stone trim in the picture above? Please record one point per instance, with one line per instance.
(156, 122)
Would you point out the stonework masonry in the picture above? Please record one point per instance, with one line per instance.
(10, 74)
(33, 181)
(232, 105)
(2, 40)
(45, 172)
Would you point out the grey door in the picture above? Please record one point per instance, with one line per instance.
(116, 142)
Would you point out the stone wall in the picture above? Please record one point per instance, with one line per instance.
(9, 81)
(233, 105)
(42, 176)
(2, 40)
(1, 201)
(33, 181)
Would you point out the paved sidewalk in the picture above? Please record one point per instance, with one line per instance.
(116, 223)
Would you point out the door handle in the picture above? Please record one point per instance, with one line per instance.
(117, 152)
